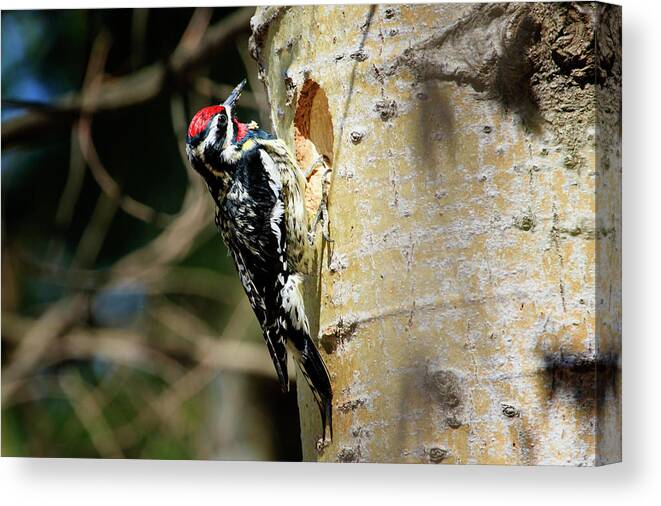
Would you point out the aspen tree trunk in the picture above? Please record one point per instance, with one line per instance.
(469, 307)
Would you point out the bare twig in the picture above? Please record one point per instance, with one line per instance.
(211, 353)
(76, 176)
(138, 35)
(174, 242)
(108, 185)
(61, 332)
(197, 378)
(178, 118)
(104, 212)
(73, 185)
(95, 232)
(35, 344)
(194, 281)
(91, 89)
(194, 33)
(129, 349)
(168, 279)
(88, 409)
(179, 237)
(176, 319)
(133, 89)
(119, 347)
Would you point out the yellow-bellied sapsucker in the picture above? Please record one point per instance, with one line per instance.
(259, 192)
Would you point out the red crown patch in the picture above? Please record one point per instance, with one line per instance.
(200, 120)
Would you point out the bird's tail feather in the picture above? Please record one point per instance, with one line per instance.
(275, 342)
(294, 324)
(316, 375)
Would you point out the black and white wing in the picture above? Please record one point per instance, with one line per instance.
(252, 223)
(293, 190)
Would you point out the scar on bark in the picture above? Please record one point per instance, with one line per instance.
(501, 69)
(586, 376)
(532, 58)
(338, 333)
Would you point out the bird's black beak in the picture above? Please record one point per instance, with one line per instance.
(234, 96)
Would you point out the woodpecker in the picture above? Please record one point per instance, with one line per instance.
(258, 189)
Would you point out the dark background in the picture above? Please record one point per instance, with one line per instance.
(125, 332)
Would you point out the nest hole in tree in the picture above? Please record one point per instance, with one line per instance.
(313, 137)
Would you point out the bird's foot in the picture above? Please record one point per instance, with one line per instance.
(322, 211)
(319, 161)
(322, 444)
(322, 218)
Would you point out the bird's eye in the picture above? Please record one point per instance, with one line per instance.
(222, 120)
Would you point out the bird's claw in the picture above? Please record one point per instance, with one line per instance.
(319, 161)
(322, 210)
(322, 217)
(322, 444)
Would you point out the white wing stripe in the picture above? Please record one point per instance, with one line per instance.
(275, 182)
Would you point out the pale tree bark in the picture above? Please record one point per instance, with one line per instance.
(469, 307)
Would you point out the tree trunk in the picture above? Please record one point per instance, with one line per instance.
(469, 307)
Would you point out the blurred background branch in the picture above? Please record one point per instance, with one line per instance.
(125, 332)
(138, 87)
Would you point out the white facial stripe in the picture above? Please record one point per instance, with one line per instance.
(230, 130)
(231, 153)
(228, 152)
